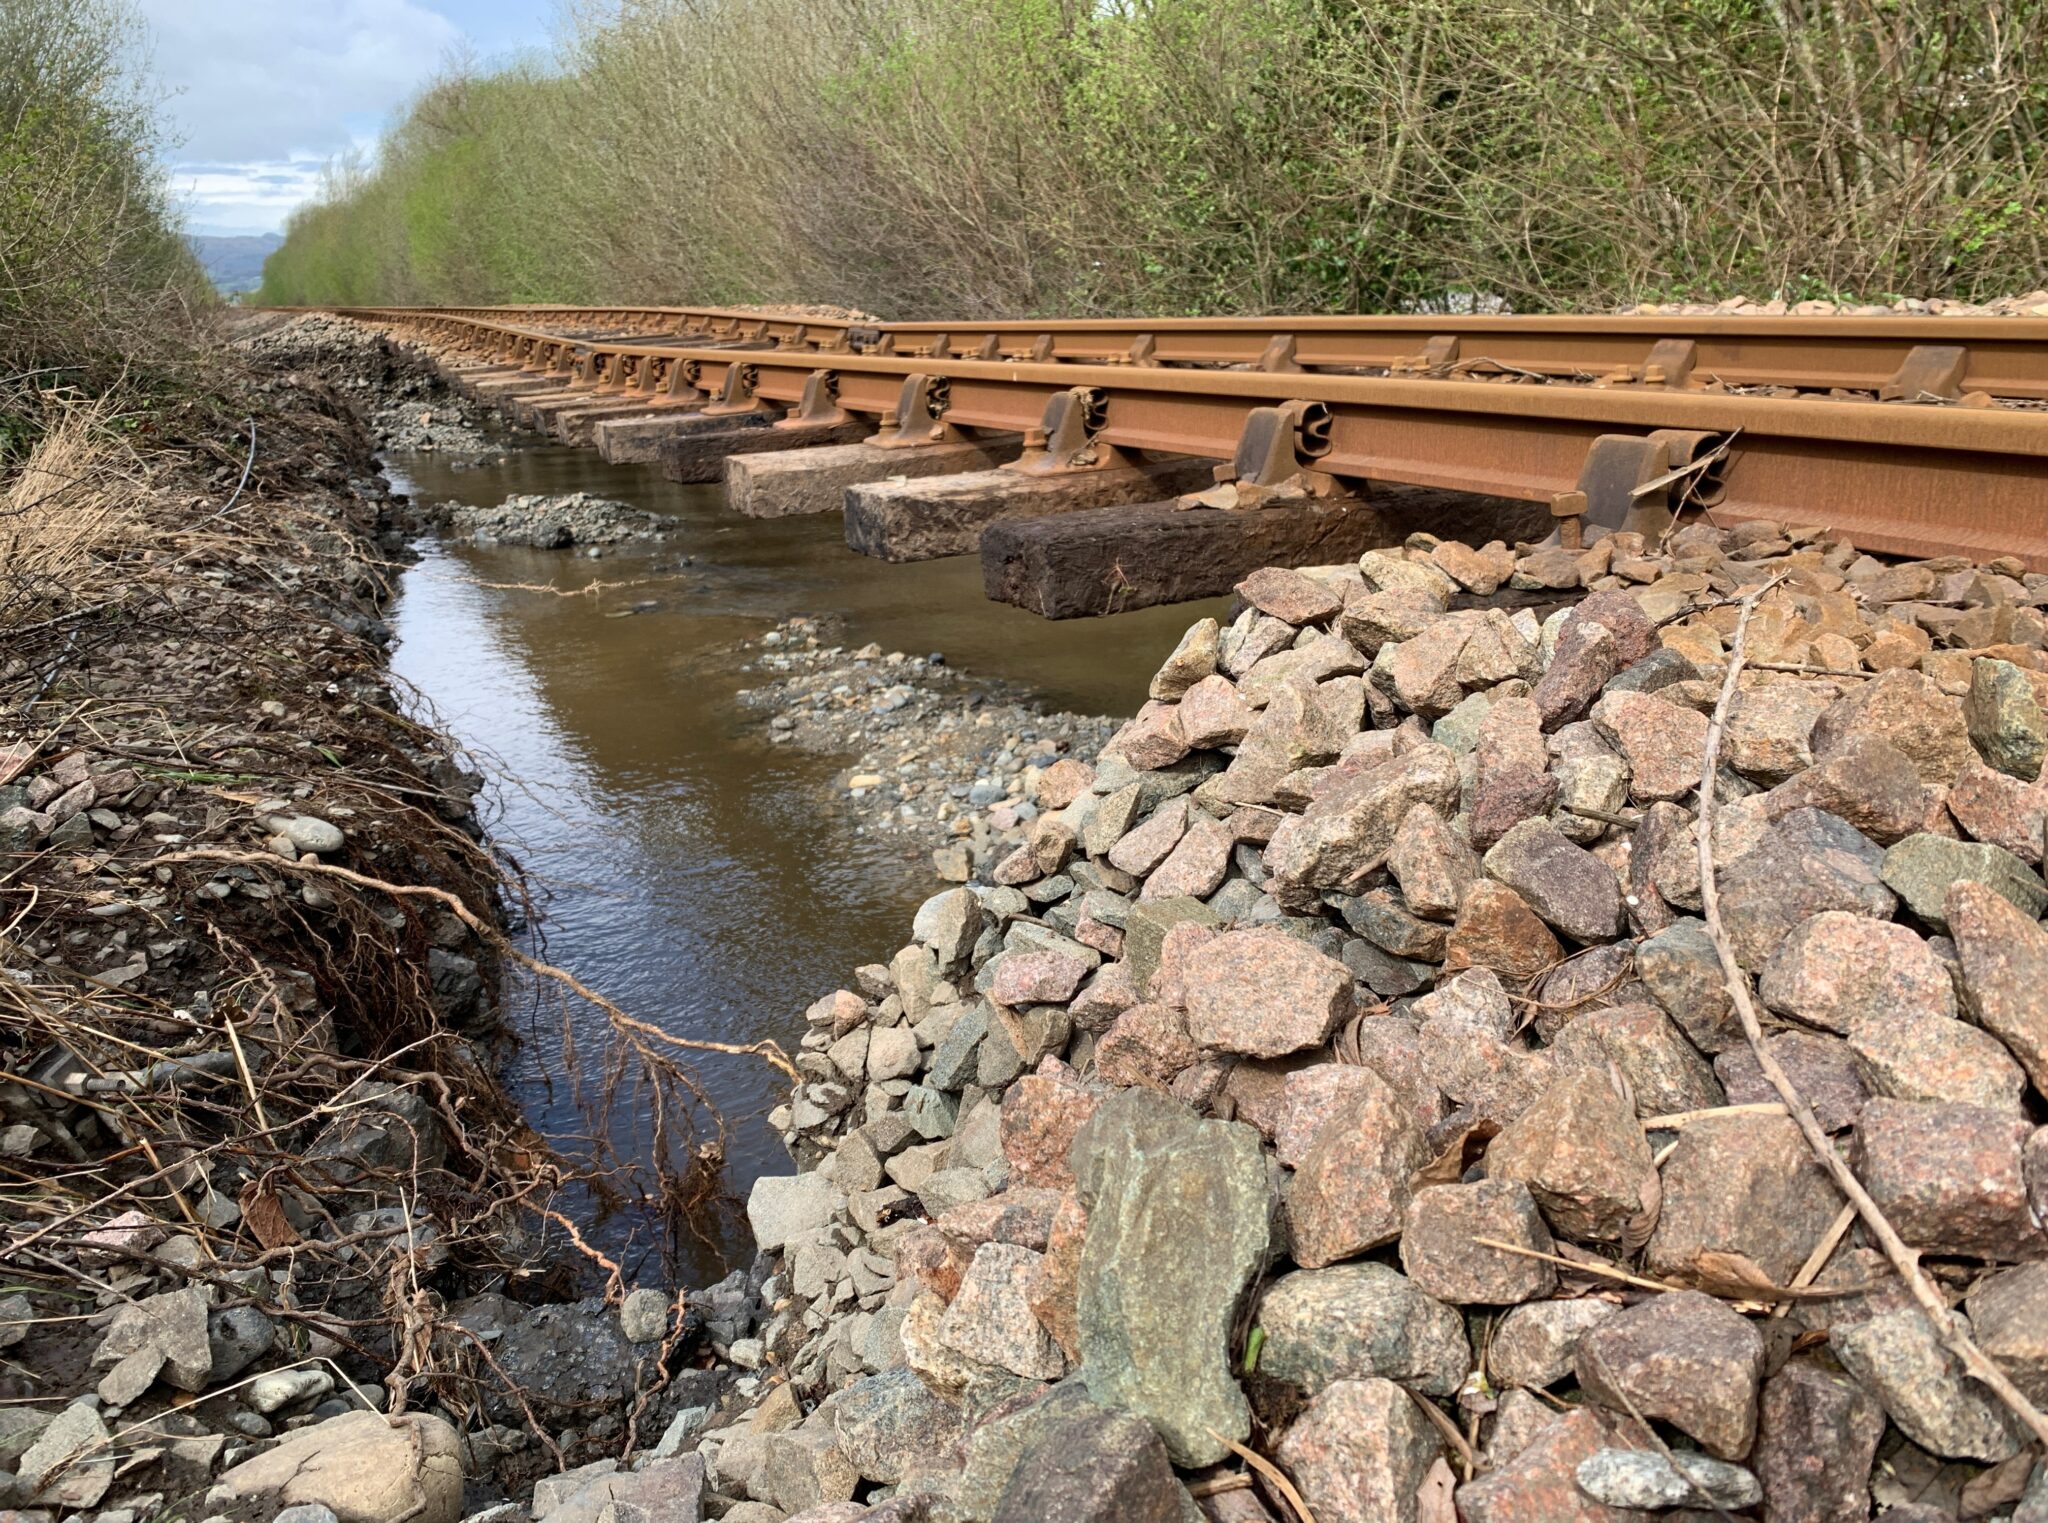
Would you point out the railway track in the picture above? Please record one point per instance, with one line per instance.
(1893, 358)
(1958, 463)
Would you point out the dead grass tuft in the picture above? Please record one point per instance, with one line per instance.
(67, 516)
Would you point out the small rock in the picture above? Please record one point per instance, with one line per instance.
(1289, 595)
(889, 1422)
(283, 1388)
(174, 1324)
(1212, 714)
(1838, 970)
(1347, 829)
(1921, 868)
(1865, 782)
(783, 1206)
(1433, 866)
(1905, 709)
(948, 924)
(1536, 1344)
(1440, 1254)
(1684, 1358)
(2003, 953)
(1152, 739)
(1574, 892)
(1741, 1184)
(1264, 994)
(1496, 929)
(1770, 730)
(2002, 713)
(1193, 660)
(1950, 1177)
(1042, 1114)
(644, 1316)
(2009, 1312)
(1642, 1479)
(1935, 1057)
(1661, 742)
(1664, 1071)
(1038, 978)
(990, 1320)
(1352, 1321)
(305, 1512)
(1109, 1467)
(1683, 974)
(1807, 863)
(1540, 1484)
(69, 1464)
(1582, 1154)
(1923, 1387)
(1310, 1097)
(307, 832)
(1823, 1068)
(362, 1466)
(1359, 1451)
(1816, 1438)
(1351, 1191)
(237, 1338)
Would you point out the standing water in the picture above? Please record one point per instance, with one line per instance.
(684, 867)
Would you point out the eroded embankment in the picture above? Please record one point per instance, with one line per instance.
(259, 1176)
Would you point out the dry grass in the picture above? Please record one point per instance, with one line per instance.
(67, 517)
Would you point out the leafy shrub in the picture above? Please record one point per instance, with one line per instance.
(1011, 157)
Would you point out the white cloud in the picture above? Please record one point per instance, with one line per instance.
(254, 196)
(264, 91)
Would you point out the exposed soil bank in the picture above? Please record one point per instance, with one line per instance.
(259, 1170)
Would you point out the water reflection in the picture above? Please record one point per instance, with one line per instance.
(686, 867)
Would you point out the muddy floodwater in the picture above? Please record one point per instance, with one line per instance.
(689, 870)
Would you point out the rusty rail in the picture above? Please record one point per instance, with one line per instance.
(1937, 359)
(1905, 479)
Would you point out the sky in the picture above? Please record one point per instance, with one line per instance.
(262, 93)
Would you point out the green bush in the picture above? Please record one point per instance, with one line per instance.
(95, 281)
(1017, 157)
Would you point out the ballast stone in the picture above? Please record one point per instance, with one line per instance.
(1154, 1319)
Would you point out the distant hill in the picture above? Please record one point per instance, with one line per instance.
(234, 263)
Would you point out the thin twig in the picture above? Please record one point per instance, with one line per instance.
(1817, 1260)
(1679, 1120)
(768, 1050)
(1272, 1472)
(1904, 1259)
(1604, 1271)
(247, 466)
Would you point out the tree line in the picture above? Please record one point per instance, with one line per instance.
(1011, 157)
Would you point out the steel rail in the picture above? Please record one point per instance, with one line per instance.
(1942, 358)
(1903, 479)
(715, 322)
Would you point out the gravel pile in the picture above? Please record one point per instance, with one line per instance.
(940, 755)
(1341, 1067)
(2031, 304)
(443, 423)
(402, 398)
(557, 522)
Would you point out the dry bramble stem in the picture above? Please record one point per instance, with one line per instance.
(769, 1051)
(1904, 1259)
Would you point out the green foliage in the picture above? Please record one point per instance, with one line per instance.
(1012, 157)
(95, 283)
